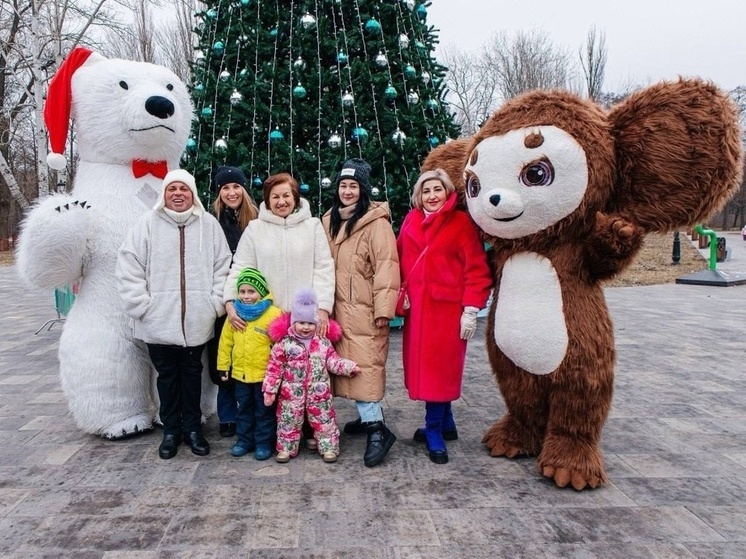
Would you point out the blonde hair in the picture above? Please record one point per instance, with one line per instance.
(246, 211)
(435, 174)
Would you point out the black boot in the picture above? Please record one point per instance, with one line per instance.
(380, 440)
(197, 442)
(354, 427)
(169, 447)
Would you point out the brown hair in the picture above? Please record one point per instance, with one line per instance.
(280, 178)
(246, 211)
(435, 174)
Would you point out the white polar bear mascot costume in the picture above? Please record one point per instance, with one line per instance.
(132, 121)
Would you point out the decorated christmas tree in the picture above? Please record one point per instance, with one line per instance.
(302, 85)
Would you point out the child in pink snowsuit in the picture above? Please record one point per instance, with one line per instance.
(298, 370)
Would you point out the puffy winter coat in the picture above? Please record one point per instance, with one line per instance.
(171, 277)
(246, 352)
(452, 274)
(291, 252)
(367, 283)
(299, 374)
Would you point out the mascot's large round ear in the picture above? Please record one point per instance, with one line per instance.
(451, 157)
(679, 154)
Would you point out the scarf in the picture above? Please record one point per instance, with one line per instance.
(345, 212)
(248, 312)
(179, 217)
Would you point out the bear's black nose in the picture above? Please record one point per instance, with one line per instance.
(495, 199)
(159, 106)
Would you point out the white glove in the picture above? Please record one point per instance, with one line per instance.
(468, 322)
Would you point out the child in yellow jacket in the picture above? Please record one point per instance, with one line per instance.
(244, 356)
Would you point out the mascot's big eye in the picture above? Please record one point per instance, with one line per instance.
(537, 173)
(472, 185)
(123, 85)
(170, 87)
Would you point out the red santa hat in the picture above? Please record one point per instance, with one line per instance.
(58, 104)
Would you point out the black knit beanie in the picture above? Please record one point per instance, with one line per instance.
(358, 170)
(224, 175)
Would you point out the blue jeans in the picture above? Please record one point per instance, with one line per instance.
(256, 424)
(369, 412)
(227, 403)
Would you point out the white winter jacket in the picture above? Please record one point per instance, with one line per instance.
(291, 252)
(170, 280)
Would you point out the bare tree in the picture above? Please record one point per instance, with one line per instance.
(528, 61)
(737, 205)
(472, 90)
(34, 34)
(160, 32)
(175, 38)
(593, 62)
(135, 41)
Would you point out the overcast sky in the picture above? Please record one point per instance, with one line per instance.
(646, 40)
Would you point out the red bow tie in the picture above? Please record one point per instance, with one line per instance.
(140, 168)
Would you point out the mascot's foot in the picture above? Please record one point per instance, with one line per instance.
(564, 477)
(571, 462)
(510, 439)
(128, 428)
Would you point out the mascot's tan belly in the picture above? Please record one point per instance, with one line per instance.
(529, 319)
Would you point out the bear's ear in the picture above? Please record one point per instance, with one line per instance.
(451, 157)
(679, 154)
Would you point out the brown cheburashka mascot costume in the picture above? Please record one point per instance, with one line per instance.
(565, 193)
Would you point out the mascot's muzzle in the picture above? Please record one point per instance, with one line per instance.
(502, 205)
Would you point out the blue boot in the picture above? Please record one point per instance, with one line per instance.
(436, 446)
(449, 425)
(450, 433)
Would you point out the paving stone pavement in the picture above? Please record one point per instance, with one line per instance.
(675, 449)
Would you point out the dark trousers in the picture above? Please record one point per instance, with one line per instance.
(227, 404)
(256, 424)
(179, 386)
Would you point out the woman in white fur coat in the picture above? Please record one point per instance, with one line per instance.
(170, 272)
(288, 246)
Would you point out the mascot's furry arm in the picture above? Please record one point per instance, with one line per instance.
(54, 236)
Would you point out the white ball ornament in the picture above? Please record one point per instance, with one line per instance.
(398, 137)
(308, 21)
(347, 99)
(375, 191)
(326, 182)
(335, 141)
(382, 60)
(221, 144)
(413, 98)
(224, 75)
(236, 97)
(403, 40)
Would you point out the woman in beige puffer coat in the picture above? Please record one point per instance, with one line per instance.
(363, 247)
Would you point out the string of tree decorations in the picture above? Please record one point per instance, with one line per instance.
(301, 85)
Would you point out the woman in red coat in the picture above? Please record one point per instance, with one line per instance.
(447, 286)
